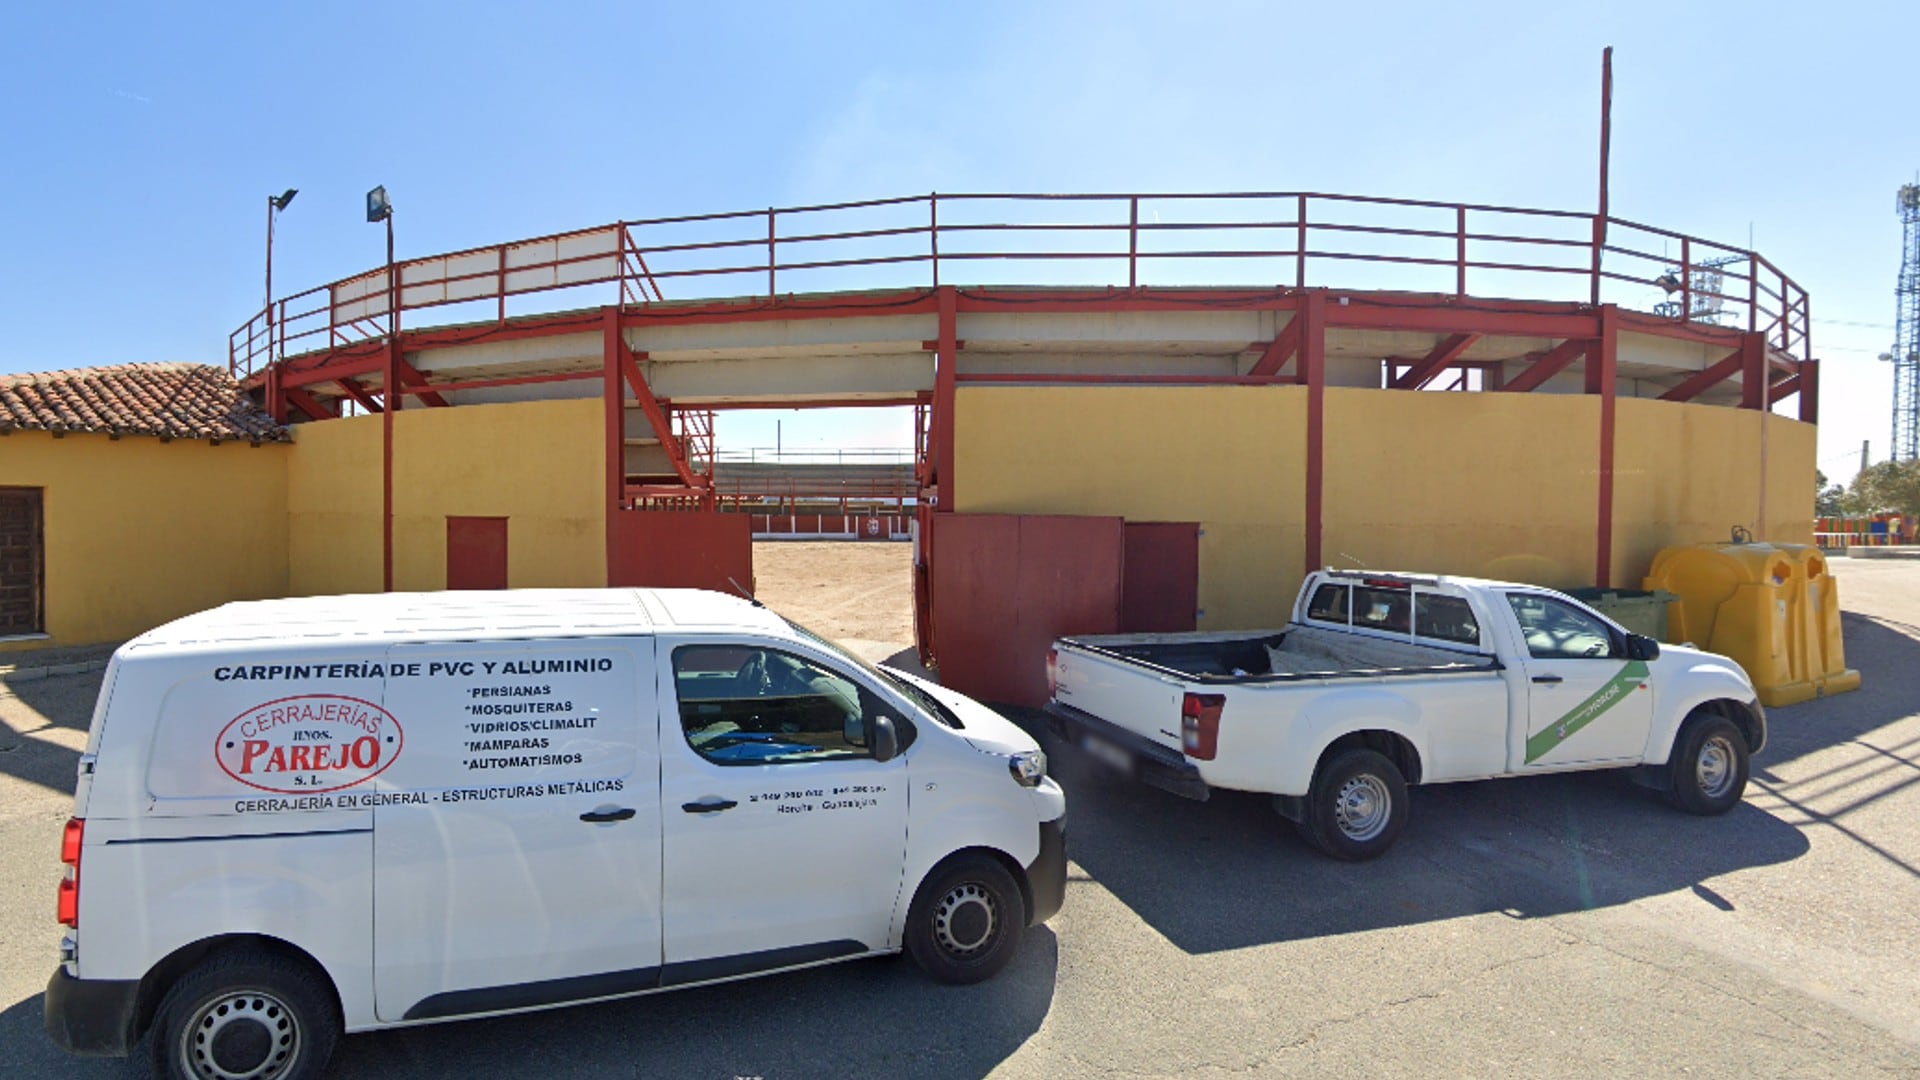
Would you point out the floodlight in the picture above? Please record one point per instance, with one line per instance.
(1668, 282)
(280, 201)
(378, 209)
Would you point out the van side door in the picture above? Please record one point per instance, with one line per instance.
(785, 840)
(1587, 703)
(517, 834)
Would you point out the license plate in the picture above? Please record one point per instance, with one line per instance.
(1106, 753)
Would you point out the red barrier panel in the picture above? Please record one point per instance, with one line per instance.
(1160, 591)
(682, 549)
(1004, 586)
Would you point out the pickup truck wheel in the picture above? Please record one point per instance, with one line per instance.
(1357, 806)
(966, 918)
(244, 1014)
(1707, 772)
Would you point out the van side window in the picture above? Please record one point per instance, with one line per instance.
(1560, 631)
(1444, 618)
(1329, 604)
(748, 705)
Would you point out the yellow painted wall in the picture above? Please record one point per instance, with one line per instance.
(1492, 485)
(1487, 485)
(540, 464)
(139, 532)
(334, 507)
(1234, 467)
(1686, 474)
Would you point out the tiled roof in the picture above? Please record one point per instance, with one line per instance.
(178, 401)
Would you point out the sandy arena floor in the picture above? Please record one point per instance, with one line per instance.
(859, 592)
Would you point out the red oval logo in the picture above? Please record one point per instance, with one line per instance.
(309, 745)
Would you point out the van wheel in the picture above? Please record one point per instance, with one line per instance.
(965, 922)
(1357, 806)
(1707, 772)
(244, 1014)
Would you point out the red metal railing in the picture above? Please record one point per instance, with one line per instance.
(1149, 240)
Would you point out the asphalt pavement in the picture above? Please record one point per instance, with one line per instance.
(1551, 926)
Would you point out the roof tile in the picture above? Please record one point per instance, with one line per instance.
(174, 401)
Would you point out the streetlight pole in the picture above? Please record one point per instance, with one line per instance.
(379, 209)
(275, 204)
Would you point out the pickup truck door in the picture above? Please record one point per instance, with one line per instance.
(785, 841)
(1586, 702)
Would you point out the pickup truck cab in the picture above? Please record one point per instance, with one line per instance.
(295, 818)
(1383, 680)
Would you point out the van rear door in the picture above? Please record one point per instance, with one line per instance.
(517, 833)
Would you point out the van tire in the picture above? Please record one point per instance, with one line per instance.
(1356, 807)
(965, 921)
(248, 1003)
(1707, 771)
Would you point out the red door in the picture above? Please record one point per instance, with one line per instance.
(1160, 588)
(476, 553)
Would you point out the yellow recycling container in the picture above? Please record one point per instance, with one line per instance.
(1773, 608)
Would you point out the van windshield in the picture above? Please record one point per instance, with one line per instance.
(927, 702)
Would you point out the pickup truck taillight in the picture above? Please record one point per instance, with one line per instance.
(1053, 672)
(69, 903)
(1200, 724)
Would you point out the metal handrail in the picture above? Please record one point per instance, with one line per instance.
(883, 243)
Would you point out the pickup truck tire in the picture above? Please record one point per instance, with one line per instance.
(965, 921)
(244, 1012)
(1356, 807)
(1707, 772)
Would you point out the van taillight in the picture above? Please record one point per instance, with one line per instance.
(1200, 724)
(1053, 672)
(69, 904)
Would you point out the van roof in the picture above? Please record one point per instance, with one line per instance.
(458, 616)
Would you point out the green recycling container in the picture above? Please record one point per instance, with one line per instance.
(1641, 611)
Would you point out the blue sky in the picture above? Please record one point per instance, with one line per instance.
(143, 139)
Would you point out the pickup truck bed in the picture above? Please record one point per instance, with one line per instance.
(1301, 652)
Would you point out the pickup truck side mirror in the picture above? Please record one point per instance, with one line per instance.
(1642, 647)
(886, 739)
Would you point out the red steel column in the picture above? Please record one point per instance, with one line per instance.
(1810, 391)
(614, 412)
(1313, 372)
(1753, 370)
(946, 359)
(390, 399)
(1600, 380)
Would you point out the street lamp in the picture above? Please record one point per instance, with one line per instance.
(379, 209)
(275, 204)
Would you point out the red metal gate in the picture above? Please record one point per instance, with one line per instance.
(682, 549)
(1005, 585)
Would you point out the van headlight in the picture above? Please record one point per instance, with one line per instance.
(1028, 767)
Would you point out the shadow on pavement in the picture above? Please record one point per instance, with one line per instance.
(28, 706)
(864, 1018)
(1230, 872)
(1884, 652)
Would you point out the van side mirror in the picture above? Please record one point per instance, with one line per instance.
(886, 739)
(1642, 647)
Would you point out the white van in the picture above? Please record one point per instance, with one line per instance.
(296, 818)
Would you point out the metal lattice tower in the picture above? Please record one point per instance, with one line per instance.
(1906, 332)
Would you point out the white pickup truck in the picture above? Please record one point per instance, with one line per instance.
(1387, 679)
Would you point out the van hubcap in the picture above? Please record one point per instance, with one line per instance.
(240, 1036)
(1362, 807)
(964, 921)
(1714, 770)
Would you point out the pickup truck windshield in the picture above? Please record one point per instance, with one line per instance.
(919, 697)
